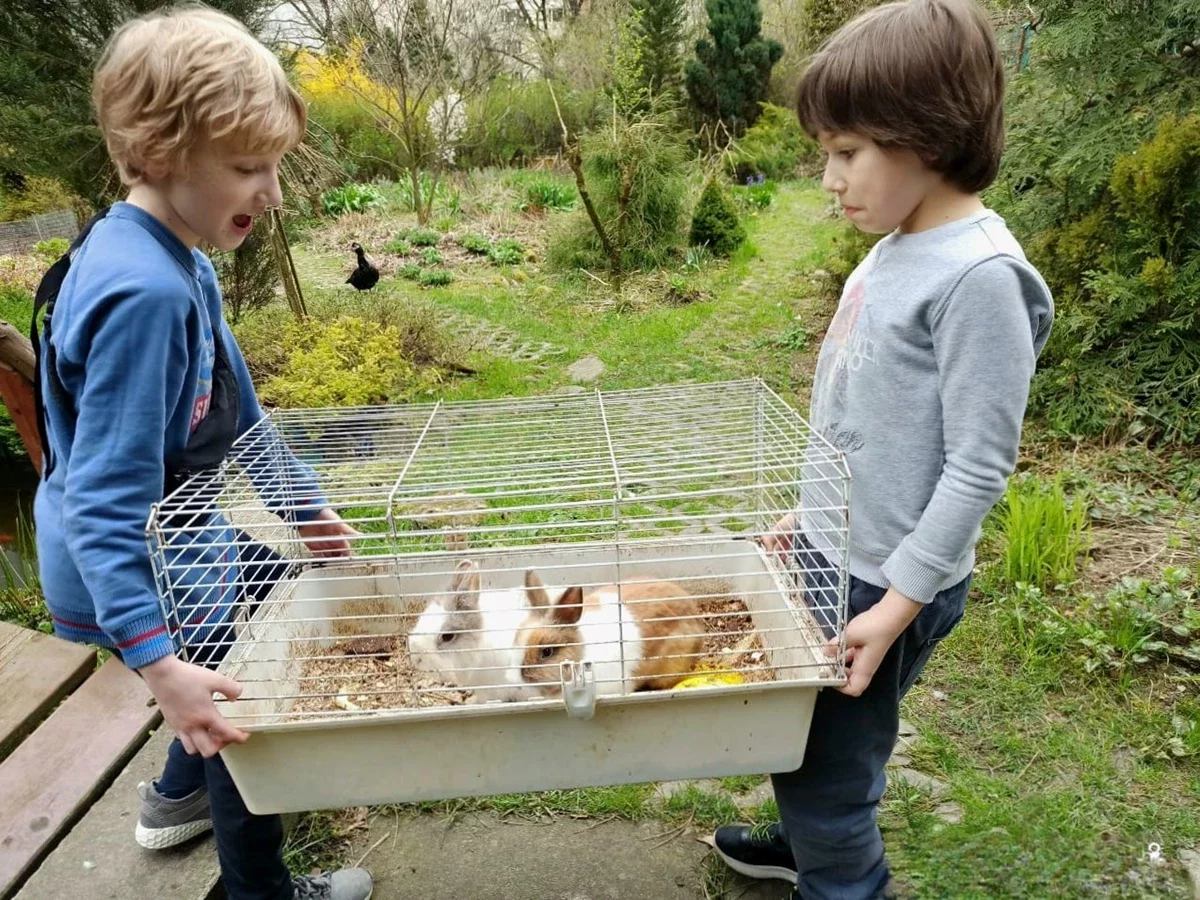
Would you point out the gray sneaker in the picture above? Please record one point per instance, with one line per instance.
(344, 884)
(164, 823)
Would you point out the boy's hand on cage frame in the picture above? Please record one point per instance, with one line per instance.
(870, 635)
(779, 539)
(184, 693)
(327, 535)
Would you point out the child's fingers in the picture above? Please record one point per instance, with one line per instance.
(222, 732)
(204, 743)
(223, 685)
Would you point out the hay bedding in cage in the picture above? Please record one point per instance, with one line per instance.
(374, 673)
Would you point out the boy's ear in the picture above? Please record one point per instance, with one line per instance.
(156, 170)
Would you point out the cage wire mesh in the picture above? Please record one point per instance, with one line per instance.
(527, 550)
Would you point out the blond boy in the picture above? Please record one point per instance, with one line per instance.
(142, 383)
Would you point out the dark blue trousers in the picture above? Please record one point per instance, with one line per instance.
(249, 847)
(828, 806)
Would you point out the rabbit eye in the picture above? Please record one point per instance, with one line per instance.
(447, 637)
(547, 652)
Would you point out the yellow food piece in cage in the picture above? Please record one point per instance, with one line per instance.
(704, 678)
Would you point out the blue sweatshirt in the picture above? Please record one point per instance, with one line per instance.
(133, 337)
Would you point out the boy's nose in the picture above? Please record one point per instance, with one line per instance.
(273, 192)
(835, 184)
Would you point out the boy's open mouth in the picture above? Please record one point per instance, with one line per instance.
(243, 222)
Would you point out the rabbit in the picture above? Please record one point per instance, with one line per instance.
(659, 620)
(468, 637)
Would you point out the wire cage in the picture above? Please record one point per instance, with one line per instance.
(539, 593)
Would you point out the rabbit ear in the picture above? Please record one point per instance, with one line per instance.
(536, 591)
(465, 586)
(569, 607)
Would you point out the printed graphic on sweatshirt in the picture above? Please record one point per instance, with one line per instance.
(848, 346)
(204, 387)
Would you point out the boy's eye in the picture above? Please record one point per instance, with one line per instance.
(247, 171)
(846, 154)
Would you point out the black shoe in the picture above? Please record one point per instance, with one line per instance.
(760, 851)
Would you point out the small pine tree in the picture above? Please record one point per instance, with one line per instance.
(660, 30)
(730, 74)
(715, 223)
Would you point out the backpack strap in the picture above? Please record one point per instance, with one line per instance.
(47, 294)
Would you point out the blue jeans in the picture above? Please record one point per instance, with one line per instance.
(249, 847)
(828, 805)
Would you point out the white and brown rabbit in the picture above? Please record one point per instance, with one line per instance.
(658, 620)
(468, 637)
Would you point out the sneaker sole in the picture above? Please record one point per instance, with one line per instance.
(778, 873)
(170, 836)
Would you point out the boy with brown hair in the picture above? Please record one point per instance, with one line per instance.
(141, 383)
(922, 381)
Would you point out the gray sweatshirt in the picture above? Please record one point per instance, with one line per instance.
(922, 381)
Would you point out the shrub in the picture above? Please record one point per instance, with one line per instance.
(39, 195)
(346, 362)
(776, 146)
(1100, 184)
(345, 102)
(16, 306)
(247, 275)
(715, 223)
(350, 198)
(514, 121)
(263, 334)
(636, 174)
(506, 252)
(475, 243)
(435, 278)
(411, 271)
(431, 256)
(1125, 350)
(50, 251)
(399, 246)
(423, 237)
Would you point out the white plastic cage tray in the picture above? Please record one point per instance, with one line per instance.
(408, 755)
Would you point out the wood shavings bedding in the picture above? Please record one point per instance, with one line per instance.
(375, 673)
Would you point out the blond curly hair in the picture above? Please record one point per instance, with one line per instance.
(171, 79)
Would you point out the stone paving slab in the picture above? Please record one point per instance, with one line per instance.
(481, 857)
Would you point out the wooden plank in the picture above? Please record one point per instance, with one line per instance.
(54, 776)
(99, 859)
(36, 671)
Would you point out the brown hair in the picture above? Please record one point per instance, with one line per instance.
(172, 78)
(922, 75)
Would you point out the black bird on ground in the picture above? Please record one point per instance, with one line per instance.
(365, 275)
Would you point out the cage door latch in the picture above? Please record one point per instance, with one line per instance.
(579, 689)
